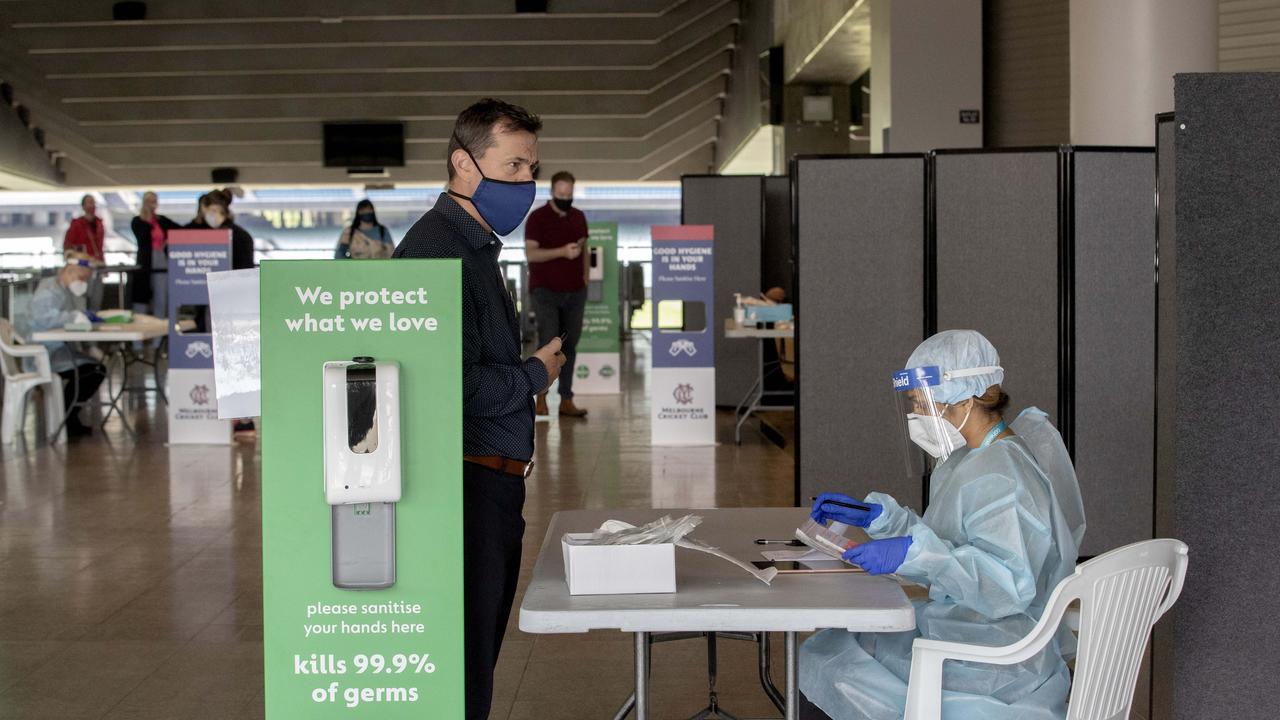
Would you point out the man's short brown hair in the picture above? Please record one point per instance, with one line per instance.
(473, 130)
(562, 176)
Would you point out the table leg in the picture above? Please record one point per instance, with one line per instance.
(114, 397)
(642, 676)
(757, 393)
(793, 678)
(766, 674)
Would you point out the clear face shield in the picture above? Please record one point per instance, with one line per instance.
(928, 438)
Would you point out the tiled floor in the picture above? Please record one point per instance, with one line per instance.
(131, 580)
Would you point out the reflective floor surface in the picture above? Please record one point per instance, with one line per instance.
(131, 576)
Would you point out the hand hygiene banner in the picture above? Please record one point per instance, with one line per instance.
(683, 382)
(598, 361)
(332, 651)
(192, 398)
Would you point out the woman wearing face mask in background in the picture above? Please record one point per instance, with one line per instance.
(59, 300)
(150, 283)
(1003, 527)
(365, 237)
(215, 213)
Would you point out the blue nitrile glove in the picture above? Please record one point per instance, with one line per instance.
(879, 557)
(824, 511)
(93, 317)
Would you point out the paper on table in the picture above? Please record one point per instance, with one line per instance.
(764, 575)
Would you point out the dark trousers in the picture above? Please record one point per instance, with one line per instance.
(560, 313)
(90, 375)
(492, 503)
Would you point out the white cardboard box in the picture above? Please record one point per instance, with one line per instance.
(617, 569)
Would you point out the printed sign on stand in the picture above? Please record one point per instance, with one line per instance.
(193, 402)
(683, 381)
(362, 523)
(598, 362)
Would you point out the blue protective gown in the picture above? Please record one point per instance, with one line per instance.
(991, 548)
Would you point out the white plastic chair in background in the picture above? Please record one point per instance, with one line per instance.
(19, 382)
(1122, 594)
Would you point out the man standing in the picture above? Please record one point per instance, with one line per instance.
(555, 237)
(493, 153)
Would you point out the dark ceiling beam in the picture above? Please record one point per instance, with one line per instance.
(399, 105)
(28, 14)
(307, 61)
(344, 38)
(694, 61)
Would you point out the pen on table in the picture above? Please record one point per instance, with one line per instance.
(853, 506)
(792, 543)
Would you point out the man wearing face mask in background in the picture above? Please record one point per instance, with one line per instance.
(555, 239)
(492, 156)
(59, 300)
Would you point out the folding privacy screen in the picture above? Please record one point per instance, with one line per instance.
(1047, 251)
(734, 204)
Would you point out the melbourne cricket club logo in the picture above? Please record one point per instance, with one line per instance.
(683, 394)
(200, 394)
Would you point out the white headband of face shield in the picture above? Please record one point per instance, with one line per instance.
(971, 372)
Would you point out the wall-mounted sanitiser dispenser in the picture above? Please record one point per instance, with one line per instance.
(362, 476)
(595, 275)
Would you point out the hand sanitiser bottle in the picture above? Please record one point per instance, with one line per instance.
(362, 475)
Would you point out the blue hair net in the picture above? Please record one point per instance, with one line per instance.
(959, 350)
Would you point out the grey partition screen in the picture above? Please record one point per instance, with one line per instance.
(860, 244)
(1227, 397)
(1050, 253)
(734, 204)
(1113, 239)
(998, 242)
(1166, 374)
(777, 266)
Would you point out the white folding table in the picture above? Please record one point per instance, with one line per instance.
(753, 401)
(711, 594)
(121, 336)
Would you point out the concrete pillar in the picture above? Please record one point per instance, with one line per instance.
(926, 74)
(1124, 54)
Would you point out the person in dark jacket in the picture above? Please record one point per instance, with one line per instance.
(215, 213)
(150, 283)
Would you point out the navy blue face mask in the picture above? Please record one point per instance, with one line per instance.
(502, 203)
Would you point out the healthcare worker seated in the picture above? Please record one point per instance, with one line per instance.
(1003, 526)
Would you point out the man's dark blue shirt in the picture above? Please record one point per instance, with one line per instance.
(497, 385)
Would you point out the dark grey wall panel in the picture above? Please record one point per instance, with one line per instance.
(997, 260)
(1115, 246)
(777, 268)
(735, 206)
(1228, 394)
(1166, 372)
(860, 258)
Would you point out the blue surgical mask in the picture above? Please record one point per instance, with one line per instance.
(502, 203)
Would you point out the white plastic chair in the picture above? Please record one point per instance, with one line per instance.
(1122, 594)
(18, 382)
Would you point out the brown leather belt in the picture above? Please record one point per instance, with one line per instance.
(501, 464)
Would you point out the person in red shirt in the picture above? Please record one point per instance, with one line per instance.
(87, 235)
(555, 237)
